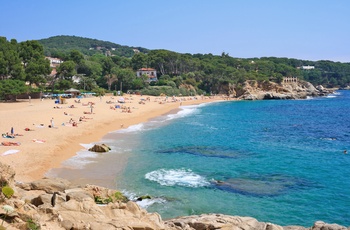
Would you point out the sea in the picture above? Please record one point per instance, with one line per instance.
(279, 161)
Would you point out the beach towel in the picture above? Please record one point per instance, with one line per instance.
(7, 136)
(38, 141)
(11, 151)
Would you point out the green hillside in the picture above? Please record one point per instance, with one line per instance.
(59, 45)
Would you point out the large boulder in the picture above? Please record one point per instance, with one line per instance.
(219, 221)
(49, 185)
(100, 148)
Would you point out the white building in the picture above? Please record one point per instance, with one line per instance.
(150, 72)
(54, 63)
(307, 67)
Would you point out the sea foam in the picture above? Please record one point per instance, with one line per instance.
(179, 177)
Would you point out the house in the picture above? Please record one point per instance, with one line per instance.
(150, 72)
(308, 67)
(54, 63)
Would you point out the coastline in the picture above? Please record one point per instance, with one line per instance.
(46, 148)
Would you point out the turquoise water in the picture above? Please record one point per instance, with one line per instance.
(278, 161)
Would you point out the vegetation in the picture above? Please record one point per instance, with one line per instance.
(59, 46)
(118, 196)
(99, 66)
(31, 225)
(7, 191)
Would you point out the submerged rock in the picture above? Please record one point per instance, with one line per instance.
(207, 151)
(262, 185)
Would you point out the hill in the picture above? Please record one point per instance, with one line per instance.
(54, 46)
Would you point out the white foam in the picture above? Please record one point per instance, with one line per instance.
(145, 203)
(184, 112)
(179, 177)
(80, 160)
(331, 96)
(87, 146)
(132, 128)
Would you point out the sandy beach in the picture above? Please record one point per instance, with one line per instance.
(41, 148)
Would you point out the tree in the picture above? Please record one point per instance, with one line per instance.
(126, 78)
(66, 70)
(36, 66)
(11, 87)
(138, 61)
(30, 51)
(75, 56)
(36, 71)
(112, 77)
(10, 62)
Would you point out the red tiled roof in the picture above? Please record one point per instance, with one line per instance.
(147, 69)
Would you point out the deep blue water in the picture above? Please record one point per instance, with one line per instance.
(279, 161)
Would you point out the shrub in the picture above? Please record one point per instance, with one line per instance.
(120, 196)
(31, 225)
(7, 191)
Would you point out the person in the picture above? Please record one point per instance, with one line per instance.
(12, 132)
(345, 151)
(10, 143)
(52, 123)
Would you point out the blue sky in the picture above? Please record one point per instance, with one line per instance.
(302, 29)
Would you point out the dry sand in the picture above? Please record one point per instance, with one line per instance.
(45, 148)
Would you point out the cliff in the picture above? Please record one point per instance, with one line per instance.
(53, 203)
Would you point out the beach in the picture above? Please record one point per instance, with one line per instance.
(45, 134)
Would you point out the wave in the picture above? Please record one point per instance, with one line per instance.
(82, 158)
(144, 203)
(177, 177)
(132, 128)
(184, 112)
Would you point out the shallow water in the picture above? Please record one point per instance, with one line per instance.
(277, 161)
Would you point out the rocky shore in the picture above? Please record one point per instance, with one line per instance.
(53, 203)
(254, 90)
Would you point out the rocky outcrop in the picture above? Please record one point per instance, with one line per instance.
(53, 203)
(255, 90)
(7, 175)
(100, 148)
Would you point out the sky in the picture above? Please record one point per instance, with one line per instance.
(303, 29)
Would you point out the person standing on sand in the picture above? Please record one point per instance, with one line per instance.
(12, 132)
(52, 123)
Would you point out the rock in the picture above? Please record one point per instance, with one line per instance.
(266, 90)
(100, 148)
(320, 225)
(76, 209)
(49, 185)
(7, 175)
(67, 224)
(79, 196)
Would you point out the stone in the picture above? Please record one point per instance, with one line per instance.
(7, 175)
(49, 185)
(100, 148)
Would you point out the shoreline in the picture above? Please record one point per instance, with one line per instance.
(79, 172)
(35, 159)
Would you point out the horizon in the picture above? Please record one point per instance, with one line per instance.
(309, 30)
